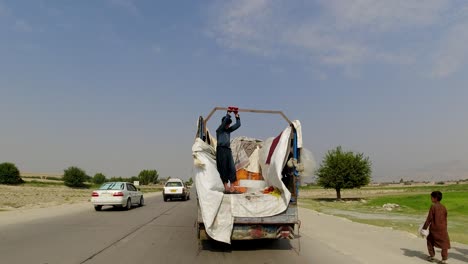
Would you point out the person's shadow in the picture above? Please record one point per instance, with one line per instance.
(454, 253)
(462, 250)
(414, 254)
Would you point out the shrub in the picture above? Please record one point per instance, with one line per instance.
(9, 174)
(99, 178)
(148, 176)
(134, 178)
(74, 177)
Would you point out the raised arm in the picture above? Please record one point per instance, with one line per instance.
(236, 125)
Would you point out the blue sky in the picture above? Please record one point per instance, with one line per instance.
(116, 86)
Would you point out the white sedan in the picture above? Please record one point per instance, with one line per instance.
(117, 194)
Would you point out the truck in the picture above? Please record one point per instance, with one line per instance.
(282, 224)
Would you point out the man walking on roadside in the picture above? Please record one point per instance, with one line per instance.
(437, 223)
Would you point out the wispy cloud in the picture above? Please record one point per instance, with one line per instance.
(128, 5)
(245, 24)
(452, 51)
(383, 16)
(343, 33)
(4, 10)
(50, 10)
(22, 26)
(156, 49)
(14, 22)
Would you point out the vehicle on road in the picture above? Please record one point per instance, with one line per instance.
(176, 189)
(254, 216)
(117, 194)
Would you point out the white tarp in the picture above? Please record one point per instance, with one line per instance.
(218, 210)
(254, 165)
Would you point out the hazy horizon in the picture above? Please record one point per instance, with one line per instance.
(116, 86)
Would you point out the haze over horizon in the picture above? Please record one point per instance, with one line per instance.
(116, 86)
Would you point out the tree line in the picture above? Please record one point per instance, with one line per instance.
(77, 177)
(339, 170)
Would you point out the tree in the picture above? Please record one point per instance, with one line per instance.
(344, 170)
(99, 178)
(9, 174)
(74, 177)
(148, 176)
(189, 182)
(134, 178)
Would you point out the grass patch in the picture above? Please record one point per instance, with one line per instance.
(310, 187)
(411, 213)
(150, 189)
(455, 202)
(423, 188)
(35, 183)
(43, 178)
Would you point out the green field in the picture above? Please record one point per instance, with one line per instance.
(36, 183)
(414, 203)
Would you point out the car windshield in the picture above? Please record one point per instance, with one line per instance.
(173, 184)
(112, 186)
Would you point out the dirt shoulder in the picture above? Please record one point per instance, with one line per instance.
(29, 197)
(371, 244)
(23, 197)
(49, 210)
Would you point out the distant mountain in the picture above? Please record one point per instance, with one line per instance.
(440, 171)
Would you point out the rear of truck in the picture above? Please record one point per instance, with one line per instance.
(284, 225)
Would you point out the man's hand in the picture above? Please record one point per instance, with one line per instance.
(237, 115)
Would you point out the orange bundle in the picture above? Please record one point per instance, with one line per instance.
(240, 189)
(242, 175)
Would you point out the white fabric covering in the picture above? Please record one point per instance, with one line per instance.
(218, 210)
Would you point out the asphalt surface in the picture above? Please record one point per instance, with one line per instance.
(159, 232)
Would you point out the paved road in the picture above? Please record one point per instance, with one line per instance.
(164, 232)
(159, 232)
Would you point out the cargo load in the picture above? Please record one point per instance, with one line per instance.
(268, 179)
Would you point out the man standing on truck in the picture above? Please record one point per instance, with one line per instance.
(224, 159)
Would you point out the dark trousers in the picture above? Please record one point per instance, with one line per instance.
(225, 164)
(430, 248)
